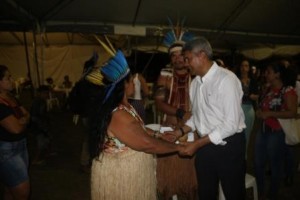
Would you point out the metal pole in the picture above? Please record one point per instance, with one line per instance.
(27, 61)
(36, 59)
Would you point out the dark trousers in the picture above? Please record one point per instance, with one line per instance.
(225, 164)
(269, 147)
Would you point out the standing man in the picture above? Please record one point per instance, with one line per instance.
(175, 175)
(218, 118)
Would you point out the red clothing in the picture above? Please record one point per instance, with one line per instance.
(273, 100)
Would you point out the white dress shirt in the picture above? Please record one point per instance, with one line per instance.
(216, 105)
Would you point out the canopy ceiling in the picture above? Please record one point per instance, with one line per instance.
(230, 24)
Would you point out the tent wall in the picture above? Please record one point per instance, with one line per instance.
(53, 61)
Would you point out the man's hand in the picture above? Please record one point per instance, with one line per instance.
(189, 148)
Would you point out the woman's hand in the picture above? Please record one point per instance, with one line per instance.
(169, 136)
(189, 148)
(263, 114)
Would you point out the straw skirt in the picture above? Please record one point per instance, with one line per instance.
(129, 175)
(176, 175)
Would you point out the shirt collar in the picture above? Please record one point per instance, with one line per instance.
(209, 74)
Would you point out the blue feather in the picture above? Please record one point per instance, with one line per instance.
(121, 60)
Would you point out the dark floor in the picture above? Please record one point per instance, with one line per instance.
(59, 178)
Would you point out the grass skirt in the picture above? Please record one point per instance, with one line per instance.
(129, 175)
(176, 175)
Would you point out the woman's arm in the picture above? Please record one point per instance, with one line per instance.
(14, 125)
(130, 132)
(290, 112)
(26, 116)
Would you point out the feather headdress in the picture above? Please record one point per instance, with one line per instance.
(115, 69)
(177, 36)
(90, 73)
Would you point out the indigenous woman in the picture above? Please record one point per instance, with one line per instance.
(123, 166)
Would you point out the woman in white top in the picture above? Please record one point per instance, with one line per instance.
(141, 91)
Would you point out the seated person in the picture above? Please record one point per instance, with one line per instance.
(67, 83)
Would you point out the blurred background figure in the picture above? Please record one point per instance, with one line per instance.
(67, 83)
(251, 93)
(50, 83)
(40, 125)
(141, 92)
(279, 100)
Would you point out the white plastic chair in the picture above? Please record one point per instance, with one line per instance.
(250, 182)
(75, 119)
(51, 101)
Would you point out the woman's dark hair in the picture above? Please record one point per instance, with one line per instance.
(3, 69)
(101, 117)
(287, 75)
(238, 71)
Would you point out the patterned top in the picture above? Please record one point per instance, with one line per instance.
(112, 144)
(273, 100)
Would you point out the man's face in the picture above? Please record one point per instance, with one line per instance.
(191, 60)
(177, 60)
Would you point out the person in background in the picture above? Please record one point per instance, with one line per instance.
(40, 124)
(141, 91)
(67, 83)
(298, 94)
(13, 148)
(278, 101)
(123, 165)
(50, 83)
(291, 158)
(83, 95)
(217, 116)
(176, 175)
(250, 97)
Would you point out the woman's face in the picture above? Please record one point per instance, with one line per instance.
(7, 82)
(271, 75)
(129, 87)
(245, 67)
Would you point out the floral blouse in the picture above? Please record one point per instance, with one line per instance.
(112, 144)
(273, 100)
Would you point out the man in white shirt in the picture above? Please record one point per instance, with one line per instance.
(218, 118)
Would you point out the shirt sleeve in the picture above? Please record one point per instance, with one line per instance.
(231, 92)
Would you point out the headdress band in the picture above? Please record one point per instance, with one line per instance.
(175, 48)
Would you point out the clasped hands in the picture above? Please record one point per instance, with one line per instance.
(185, 148)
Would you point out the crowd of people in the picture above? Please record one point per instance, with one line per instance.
(197, 96)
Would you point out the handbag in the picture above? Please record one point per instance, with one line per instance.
(291, 128)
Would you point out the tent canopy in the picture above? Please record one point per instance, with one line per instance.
(60, 33)
(230, 24)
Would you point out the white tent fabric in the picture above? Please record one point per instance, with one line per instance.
(260, 53)
(53, 61)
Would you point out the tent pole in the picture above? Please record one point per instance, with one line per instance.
(27, 61)
(36, 59)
